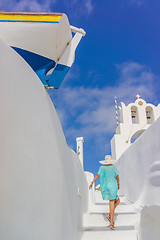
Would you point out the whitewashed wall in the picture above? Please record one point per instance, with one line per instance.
(40, 177)
(150, 223)
(139, 168)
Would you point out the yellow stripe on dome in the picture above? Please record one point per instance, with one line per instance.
(30, 17)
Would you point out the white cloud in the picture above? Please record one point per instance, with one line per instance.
(27, 5)
(137, 3)
(90, 112)
(89, 6)
(76, 7)
(79, 8)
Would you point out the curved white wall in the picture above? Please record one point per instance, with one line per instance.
(150, 223)
(139, 168)
(39, 174)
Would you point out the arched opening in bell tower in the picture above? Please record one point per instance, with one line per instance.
(134, 114)
(136, 135)
(149, 115)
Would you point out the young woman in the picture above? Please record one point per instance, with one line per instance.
(109, 183)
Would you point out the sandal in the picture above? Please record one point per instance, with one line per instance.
(112, 227)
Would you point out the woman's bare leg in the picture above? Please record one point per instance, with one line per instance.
(111, 208)
(116, 203)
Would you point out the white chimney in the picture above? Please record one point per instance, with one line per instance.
(80, 148)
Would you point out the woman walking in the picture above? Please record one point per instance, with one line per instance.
(109, 184)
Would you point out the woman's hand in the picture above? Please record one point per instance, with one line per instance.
(91, 185)
(95, 178)
(117, 178)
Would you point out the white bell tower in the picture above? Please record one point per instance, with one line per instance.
(134, 119)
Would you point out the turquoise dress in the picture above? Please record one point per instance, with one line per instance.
(108, 182)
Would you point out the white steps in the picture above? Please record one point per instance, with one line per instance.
(96, 225)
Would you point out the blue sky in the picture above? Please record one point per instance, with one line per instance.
(120, 55)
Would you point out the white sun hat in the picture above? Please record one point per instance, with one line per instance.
(108, 160)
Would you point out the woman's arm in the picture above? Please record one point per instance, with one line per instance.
(117, 178)
(95, 178)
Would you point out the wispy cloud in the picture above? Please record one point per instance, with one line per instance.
(80, 8)
(75, 7)
(90, 112)
(27, 5)
(137, 3)
(89, 6)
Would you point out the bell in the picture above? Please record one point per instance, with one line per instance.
(133, 114)
(148, 115)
